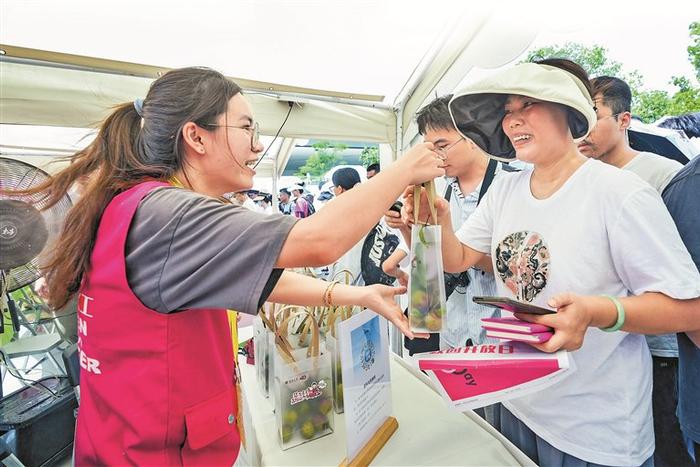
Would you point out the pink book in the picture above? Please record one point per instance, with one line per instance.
(535, 337)
(479, 375)
(513, 325)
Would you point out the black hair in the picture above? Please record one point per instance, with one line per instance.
(346, 178)
(616, 93)
(373, 167)
(435, 116)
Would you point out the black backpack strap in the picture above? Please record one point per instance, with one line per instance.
(448, 192)
(488, 179)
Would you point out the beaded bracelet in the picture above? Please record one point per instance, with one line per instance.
(620, 315)
(327, 295)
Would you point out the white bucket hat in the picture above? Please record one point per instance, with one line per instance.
(477, 110)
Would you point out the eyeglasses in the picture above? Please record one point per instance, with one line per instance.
(443, 151)
(608, 116)
(254, 132)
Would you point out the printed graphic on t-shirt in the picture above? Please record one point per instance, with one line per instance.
(522, 262)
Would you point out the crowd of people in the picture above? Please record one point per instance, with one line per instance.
(545, 202)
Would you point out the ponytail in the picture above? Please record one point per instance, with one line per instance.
(132, 146)
(100, 170)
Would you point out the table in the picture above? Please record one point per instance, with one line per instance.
(429, 433)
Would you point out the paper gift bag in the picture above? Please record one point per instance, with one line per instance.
(262, 358)
(271, 315)
(336, 314)
(426, 287)
(304, 400)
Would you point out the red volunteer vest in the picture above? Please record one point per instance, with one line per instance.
(155, 388)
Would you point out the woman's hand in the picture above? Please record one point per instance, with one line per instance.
(422, 162)
(570, 322)
(380, 299)
(442, 206)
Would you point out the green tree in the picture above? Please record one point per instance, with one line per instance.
(326, 156)
(687, 99)
(593, 59)
(649, 105)
(694, 47)
(369, 156)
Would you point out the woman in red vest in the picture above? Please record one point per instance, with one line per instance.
(156, 258)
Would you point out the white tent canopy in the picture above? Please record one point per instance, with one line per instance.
(353, 71)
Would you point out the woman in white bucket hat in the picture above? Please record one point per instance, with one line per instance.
(590, 240)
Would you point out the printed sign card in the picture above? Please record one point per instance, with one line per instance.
(364, 350)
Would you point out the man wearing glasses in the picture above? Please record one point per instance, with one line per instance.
(468, 174)
(608, 142)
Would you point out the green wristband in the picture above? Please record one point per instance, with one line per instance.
(620, 315)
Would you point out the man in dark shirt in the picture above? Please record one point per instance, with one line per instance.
(682, 197)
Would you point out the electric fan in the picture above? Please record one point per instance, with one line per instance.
(25, 229)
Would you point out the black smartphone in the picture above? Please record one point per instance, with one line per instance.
(514, 306)
(396, 207)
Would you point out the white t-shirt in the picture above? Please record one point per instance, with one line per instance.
(657, 171)
(654, 169)
(604, 232)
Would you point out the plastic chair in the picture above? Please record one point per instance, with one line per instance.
(31, 346)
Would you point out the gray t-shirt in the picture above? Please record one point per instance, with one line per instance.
(185, 251)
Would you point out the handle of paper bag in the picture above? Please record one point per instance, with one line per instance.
(283, 329)
(349, 276)
(307, 271)
(283, 345)
(266, 321)
(306, 325)
(332, 317)
(431, 194)
(281, 316)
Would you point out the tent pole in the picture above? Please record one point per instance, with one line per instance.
(395, 336)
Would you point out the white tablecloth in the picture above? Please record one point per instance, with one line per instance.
(429, 433)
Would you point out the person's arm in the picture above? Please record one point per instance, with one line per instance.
(485, 264)
(648, 313)
(324, 237)
(296, 289)
(391, 266)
